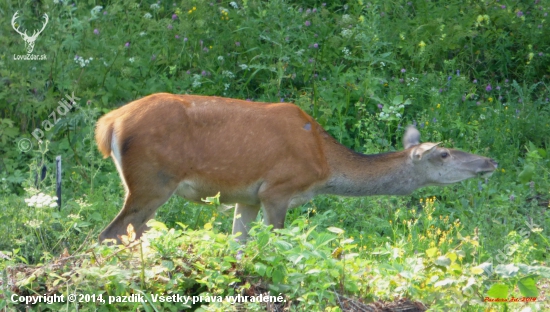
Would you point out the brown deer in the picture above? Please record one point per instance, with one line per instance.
(270, 155)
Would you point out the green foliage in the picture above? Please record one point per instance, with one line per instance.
(304, 265)
(469, 74)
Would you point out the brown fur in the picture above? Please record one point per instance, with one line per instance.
(255, 154)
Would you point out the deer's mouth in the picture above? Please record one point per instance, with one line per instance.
(485, 174)
(488, 171)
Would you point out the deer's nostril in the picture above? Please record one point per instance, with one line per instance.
(494, 163)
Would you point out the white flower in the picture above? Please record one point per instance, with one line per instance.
(228, 74)
(196, 81)
(300, 52)
(131, 60)
(345, 51)
(147, 15)
(95, 11)
(346, 33)
(234, 4)
(34, 223)
(154, 6)
(74, 216)
(220, 58)
(82, 62)
(226, 85)
(142, 33)
(346, 18)
(41, 200)
(243, 66)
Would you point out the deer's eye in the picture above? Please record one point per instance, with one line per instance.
(444, 155)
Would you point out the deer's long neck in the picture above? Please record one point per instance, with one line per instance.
(354, 174)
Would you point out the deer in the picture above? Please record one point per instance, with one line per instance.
(29, 40)
(269, 156)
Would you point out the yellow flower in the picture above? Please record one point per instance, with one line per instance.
(490, 99)
(426, 123)
(502, 170)
(422, 44)
(438, 105)
(178, 11)
(479, 18)
(194, 8)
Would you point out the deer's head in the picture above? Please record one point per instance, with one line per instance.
(440, 165)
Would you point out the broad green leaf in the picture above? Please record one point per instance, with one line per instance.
(168, 264)
(476, 270)
(527, 174)
(499, 291)
(397, 100)
(278, 275)
(157, 225)
(543, 271)
(443, 261)
(432, 252)
(487, 267)
(263, 239)
(335, 230)
(347, 241)
(445, 282)
(282, 245)
(527, 287)
(452, 256)
(260, 268)
(506, 270)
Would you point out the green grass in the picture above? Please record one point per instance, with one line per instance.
(472, 75)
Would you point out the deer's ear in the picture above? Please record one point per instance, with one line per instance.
(411, 137)
(423, 150)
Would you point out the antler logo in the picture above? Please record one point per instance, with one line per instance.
(29, 40)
